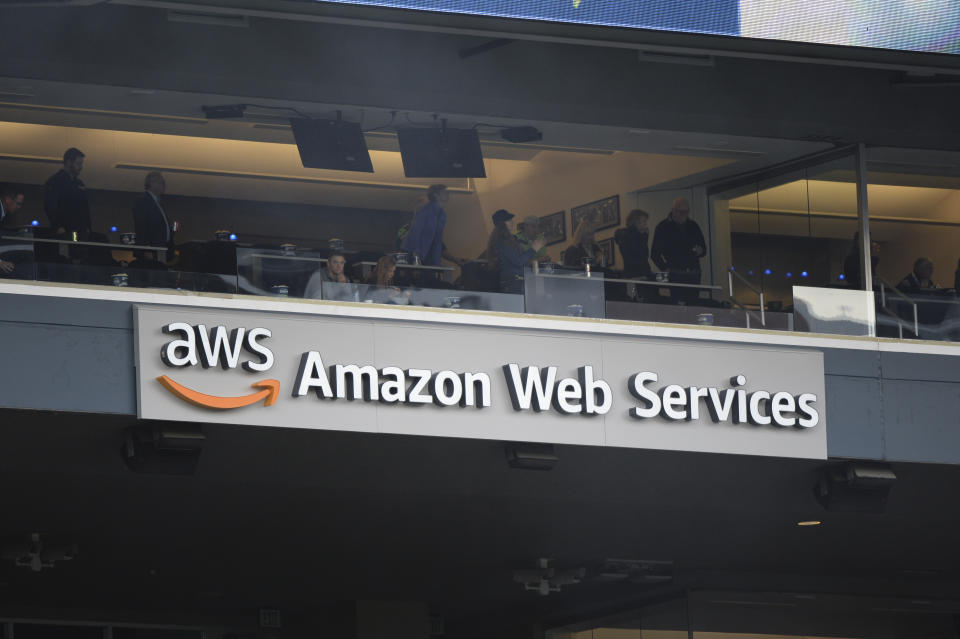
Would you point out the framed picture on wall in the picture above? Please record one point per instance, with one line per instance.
(554, 227)
(609, 257)
(603, 213)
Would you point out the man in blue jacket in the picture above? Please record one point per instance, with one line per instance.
(425, 238)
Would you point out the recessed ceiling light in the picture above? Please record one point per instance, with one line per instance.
(811, 522)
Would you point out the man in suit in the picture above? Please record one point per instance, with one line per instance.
(149, 219)
(65, 198)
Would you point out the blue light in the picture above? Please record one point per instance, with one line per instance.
(804, 274)
(750, 272)
(113, 229)
(733, 268)
(789, 274)
(34, 223)
(842, 277)
(233, 236)
(767, 271)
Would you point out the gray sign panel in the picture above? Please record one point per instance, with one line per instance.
(372, 375)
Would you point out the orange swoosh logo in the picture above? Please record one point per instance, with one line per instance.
(269, 394)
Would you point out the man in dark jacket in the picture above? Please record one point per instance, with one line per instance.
(65, 198)
(149, 219)
(678, 245)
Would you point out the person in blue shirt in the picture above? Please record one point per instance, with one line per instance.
(425, 238)
(507, 255)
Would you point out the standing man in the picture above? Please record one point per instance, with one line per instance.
(149, 219)
(425, 238)
(678, 245)
(11, 200)
(65, 198)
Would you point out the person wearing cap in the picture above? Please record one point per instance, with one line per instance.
(507, 254)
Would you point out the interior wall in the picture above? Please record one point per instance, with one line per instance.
(902, 243)
(554, 182)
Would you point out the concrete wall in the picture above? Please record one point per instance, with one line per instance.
(421, 71)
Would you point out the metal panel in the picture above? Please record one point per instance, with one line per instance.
(922, 421)
(856, 417)
(67, 368)
(916, 366)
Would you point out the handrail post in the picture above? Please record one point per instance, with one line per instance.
(763, 312)
(863, 217)
(916, 324)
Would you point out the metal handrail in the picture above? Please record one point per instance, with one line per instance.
(9, 237)
(730, 275)
(883, 304)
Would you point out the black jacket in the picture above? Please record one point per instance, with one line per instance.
(633, 248)
(574, 255)
(673, 245)
(149, 223)
(66, 205)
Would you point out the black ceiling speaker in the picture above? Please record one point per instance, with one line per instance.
(163, 450)
(223, 111)
(855, 487)
(520, 134)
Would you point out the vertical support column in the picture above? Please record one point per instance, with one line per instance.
(863, 217)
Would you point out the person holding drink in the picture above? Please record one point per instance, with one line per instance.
(506, 253)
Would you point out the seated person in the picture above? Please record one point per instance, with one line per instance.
(583, 247)
(334, 271)
(381, 287)
(920, 279)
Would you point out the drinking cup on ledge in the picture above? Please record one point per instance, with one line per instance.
(128, 238)
(335, 244)
(120, 279)
(280, 290)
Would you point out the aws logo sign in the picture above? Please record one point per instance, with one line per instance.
(531, 389)
(198, 345)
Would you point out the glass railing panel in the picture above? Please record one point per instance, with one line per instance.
(277, 272)
(426, 297)
(931, 315)
(554, 290)
(132, 276)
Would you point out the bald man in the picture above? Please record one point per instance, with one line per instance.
(149, 219)
(678, 246)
